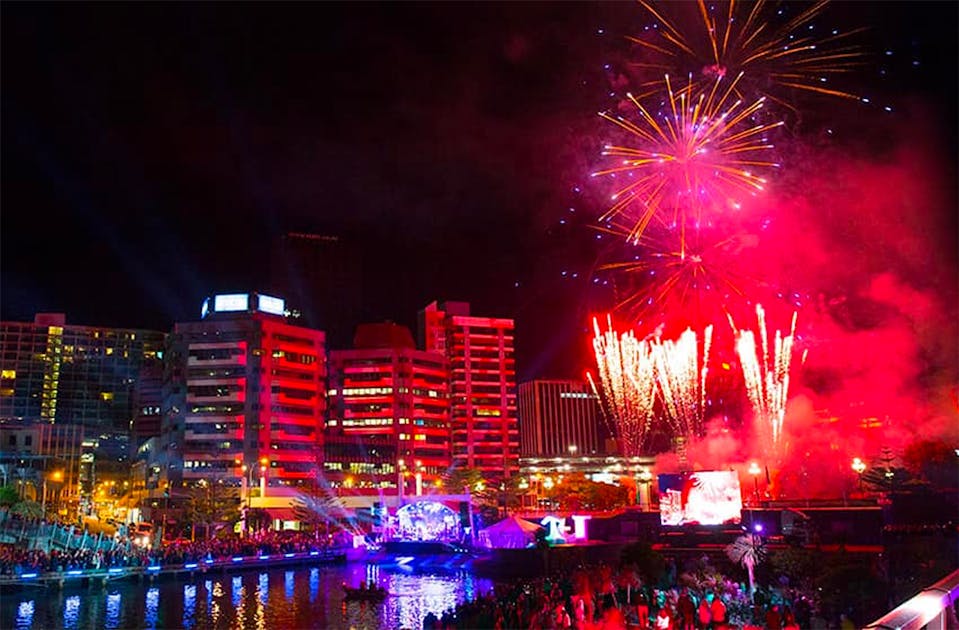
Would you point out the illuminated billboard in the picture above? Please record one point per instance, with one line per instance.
(269, 304)
(231, 302)
(701, 498)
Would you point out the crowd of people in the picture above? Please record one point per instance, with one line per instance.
(16, 560)
(600, 598)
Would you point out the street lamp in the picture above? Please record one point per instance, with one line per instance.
(645, 477)
(860, 467)
(264, 462)
(755, 471)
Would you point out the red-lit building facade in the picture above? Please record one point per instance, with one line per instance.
(482, 368)
(244, 396)
(389, 414)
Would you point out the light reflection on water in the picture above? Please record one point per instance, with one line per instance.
(301, 598)
(71, 612)
(113, 610)
(152, 607)
(25, 614)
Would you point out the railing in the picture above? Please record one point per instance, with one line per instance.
(40, 534)
(191, 566)
(931, 609)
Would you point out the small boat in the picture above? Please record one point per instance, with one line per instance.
(374, 594)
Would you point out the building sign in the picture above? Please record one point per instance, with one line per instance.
(231, 302)
(270, 304)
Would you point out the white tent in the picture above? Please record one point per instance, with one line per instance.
(511, 533)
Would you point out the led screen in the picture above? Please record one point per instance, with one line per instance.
(269, 304)
(700, 498)
(231, 302)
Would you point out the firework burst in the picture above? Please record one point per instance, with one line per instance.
(766, 377)
(681, 380)
(635, 373)
(726, 38)
(699, 155)
(625, 366)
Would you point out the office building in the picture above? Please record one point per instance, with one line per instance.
(68, 374)
(559, 418)
(244, 396)
(389, 413)
(482, 368)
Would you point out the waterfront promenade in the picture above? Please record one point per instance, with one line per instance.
(151, 571)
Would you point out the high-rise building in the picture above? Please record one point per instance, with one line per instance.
(68, 374)
(63, 374)
(559, 418)
(147, 406)
(482, 384)
(389, 413)
(244, 395)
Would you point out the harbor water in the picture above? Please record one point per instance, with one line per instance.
(278, 599)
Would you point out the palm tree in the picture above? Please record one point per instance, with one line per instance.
(748, 551)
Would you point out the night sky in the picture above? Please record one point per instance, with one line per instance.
(151, 152)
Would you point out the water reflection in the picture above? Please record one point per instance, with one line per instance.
(25, 614)
(71, 612)
(152, 607)
(113, 610)
(309, 598)
(189, 605)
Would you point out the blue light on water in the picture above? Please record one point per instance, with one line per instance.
(29, 575)
(288, 585)
(263, 587)
(238, 559)
(314, 553)
(153, 567)
(25, 614)
(264, 557)
(152, 607)
(190, 565)
(237, 599)
(71, 612)
(314, 584)
(288, 555)
(189, 605)
(75, 572)
(115, 570)
(113, 610)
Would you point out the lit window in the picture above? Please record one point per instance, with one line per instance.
(106, 396)
(8, 374)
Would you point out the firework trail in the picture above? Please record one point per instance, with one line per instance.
(766, 377)
(697, 157)
(625, 367)
(681, 381)
(727, 38)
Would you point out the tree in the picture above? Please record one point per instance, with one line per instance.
(212, 504)
(935, 461)
(8, 496)
(748, 550)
